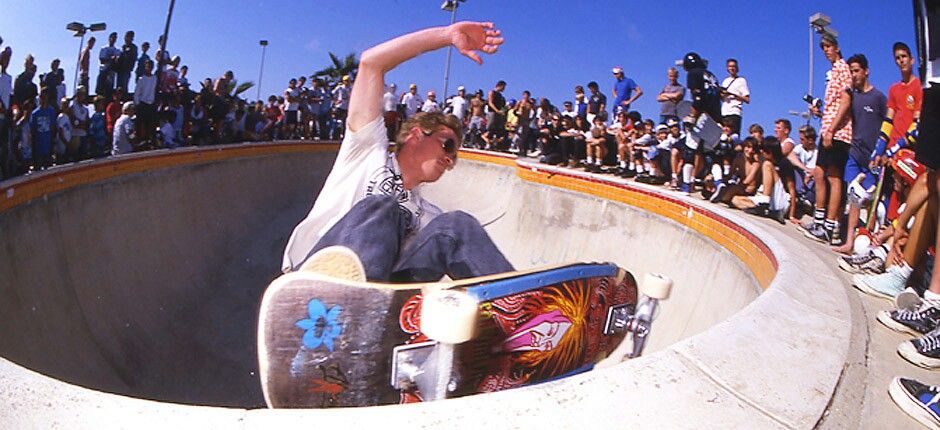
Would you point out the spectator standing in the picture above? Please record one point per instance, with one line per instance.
(108, 59)
(183, 81)
(98, 129)
(320, 106)
(868, 109)
(114, 109)
(51, 80)
(127, 61)
(341, 101)
(733, 96)
(597, 103)
(145, 93)
(459, 104)
(6, 81)
(670, 96)
(625, 91)
(430, 104)
(80, 121)
(836, 133)
(43, 131)
(139, 69)
(496, 114)
(568, 110)
(412, 101)
(65, 150)
(84, 62)
(24, 89)
(580, 104)
(292, 104)
(782, 128)
(122, 142)
(904, 102)
(390, 109)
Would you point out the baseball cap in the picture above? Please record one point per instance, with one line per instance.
(461, 88)
(617, 69)
(127, 106)
(661, 127)
(672, 122)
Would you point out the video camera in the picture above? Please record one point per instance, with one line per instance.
(813, 101)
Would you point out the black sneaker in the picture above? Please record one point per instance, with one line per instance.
(627, 173)
(923, 351)
(862, 263)
(818, 233)
(918, 322)
(762, 209)
(920, 401)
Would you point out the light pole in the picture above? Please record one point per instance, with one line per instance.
(449, 6)
(818, 23)
(264, 45)
(80, 29)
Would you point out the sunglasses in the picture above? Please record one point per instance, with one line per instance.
(449, 146)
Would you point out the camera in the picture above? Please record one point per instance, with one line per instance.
(814, 101)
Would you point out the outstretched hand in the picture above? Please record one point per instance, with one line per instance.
(469, 37)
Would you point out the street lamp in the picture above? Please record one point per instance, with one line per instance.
(80, 29)
(264, 45)
(449, 6)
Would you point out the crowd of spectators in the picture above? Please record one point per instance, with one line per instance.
(141, 103)
(862, 187)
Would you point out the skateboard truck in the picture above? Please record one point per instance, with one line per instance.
(639, 320)
(448, 317)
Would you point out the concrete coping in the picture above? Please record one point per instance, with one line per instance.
(774, 364)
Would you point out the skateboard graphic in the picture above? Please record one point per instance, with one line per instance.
(330, 342)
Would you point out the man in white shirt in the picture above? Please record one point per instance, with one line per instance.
(370, 221)
(80, 119)
(123, 138)
(291, 108)
(459, 104)
(430, 105)
(390, 106)
(734, 95)
(412, 101)
(145, 93)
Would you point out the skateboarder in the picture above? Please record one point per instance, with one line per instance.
(369, 221)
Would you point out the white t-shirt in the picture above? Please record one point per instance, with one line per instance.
(430, 106)
(79, 116)
(363, 167)
(341, 96)
(389, 101)
(65, 127)
(807, 157)
(294, 102)
(146, 90)
(737, 86)
(123, 132)
(412, 103)
(459, 105)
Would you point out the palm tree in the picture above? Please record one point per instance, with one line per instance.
(334, 73)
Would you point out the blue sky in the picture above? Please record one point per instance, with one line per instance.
(550, 45)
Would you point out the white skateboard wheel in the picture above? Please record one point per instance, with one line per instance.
(656, 286)
(448, 316)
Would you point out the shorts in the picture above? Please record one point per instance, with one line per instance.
(927, 150)
(836, 155)
(853, 169)
(495, 122)
(290, 117)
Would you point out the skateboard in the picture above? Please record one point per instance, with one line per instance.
(706, 131)
(329, 342)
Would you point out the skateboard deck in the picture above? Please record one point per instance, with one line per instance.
(326, 342)
(706, 131)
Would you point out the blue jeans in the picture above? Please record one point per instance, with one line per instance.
(453, 243)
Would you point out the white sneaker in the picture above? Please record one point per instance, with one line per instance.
(886, 285)
(336, 261)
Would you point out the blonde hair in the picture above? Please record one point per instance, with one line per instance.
(428, 121)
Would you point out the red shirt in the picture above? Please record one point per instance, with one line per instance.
(904, 99)
(112, 113)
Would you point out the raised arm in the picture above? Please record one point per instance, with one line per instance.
(468, 37)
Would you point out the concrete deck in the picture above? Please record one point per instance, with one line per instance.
(130, 288)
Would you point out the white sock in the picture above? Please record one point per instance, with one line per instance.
(904, 269)
(727, 169)
(590, 160)
(623, 164)
(932, 296)
(716, 172)
(687, 173)
(880, 252)
(639, 168)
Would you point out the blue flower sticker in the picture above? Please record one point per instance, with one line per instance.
(322, 326)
